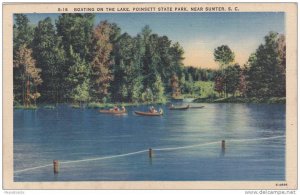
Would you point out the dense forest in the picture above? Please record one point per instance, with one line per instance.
(72, 60)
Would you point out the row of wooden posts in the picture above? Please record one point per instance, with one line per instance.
(56, 163)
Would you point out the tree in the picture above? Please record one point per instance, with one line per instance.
(101, 61)
(232, 79)
(138, 51)
(29, 78)
(282, 65)
(50, 57)
(177, 52)
(22, 36)
(219, 83)
(78, 79)
(242, 87)
(165, 58)
(175, 86)
(122, 69)
(266, 68)
(76, 31)
(150, 60)
(23, 32)
(158, 90)
(224, 56)
(78, 62)
(127, 85)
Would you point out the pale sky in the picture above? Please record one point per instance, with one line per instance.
(199, 33)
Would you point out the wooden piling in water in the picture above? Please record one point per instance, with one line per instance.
(150, 153)
(55, 166)
(223, 144)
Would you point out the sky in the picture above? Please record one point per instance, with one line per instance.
(199, 33)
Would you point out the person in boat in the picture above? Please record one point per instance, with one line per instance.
(161, 111)
(123, 109)
(116, 109)
(152, 110)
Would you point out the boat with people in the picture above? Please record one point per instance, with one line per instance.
(172, 107)
(149, 113)
(115, 111)
(152, 112)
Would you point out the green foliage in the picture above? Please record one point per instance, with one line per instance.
(127, 84)
(76, 31)
(78, 79)
(199, 74)
(147, 96)
(158, 90)
(98, 105)
(220, 83)
(136, 90)
(22, 38)
(232, 78)
(256, 100)
(223, 55)
(75, 61)
(265, 73)
(50, 57)
(23, 32)
(49, 107)
(229, 80)
(80, 63)
(202, 89)
(30, 107)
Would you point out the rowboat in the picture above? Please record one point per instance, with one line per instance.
(196, 107)
(179, 107)
(148, 113)
(113, 112)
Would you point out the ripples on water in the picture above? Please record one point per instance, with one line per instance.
(68, 134)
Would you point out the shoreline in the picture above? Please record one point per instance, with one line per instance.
(230, 100)
(271, 100)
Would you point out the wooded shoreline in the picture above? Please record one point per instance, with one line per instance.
(75, 61)
(93, 105)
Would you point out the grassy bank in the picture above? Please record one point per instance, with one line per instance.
(201, 89)
(272, 100)
(109, 105)
(32, 107)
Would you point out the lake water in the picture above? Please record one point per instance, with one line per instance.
(70, 135)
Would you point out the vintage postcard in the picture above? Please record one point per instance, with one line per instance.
(150, 96)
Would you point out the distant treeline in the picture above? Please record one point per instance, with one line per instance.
(71, 60)
(199, 74)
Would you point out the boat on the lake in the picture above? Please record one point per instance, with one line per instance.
(196, 107)
(160, 113)
(179, 107)
(113, 112)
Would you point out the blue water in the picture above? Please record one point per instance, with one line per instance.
(68, 134)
